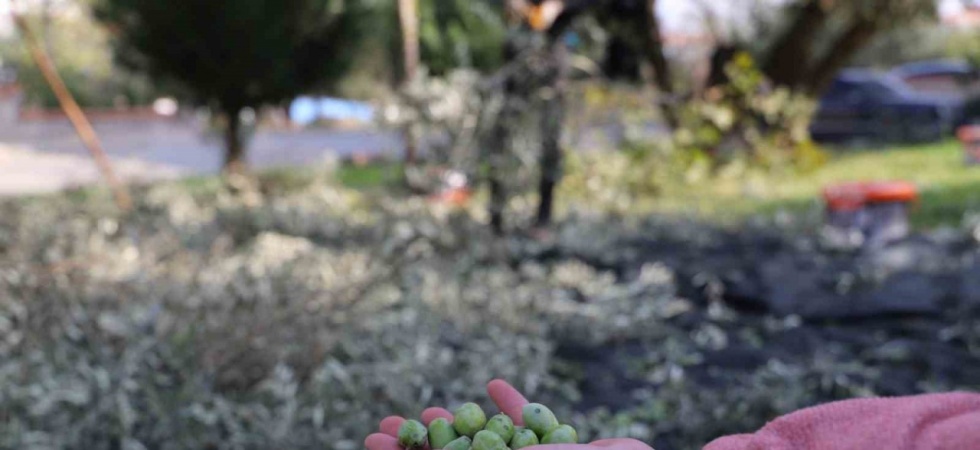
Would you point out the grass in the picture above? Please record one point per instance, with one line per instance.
(364, 176)
(369, 176)
(276, 181)
(949, 187)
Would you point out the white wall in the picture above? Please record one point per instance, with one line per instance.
(687, 16)
(680, 16)
(6, 24)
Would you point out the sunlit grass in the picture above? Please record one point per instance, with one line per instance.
(370, 175)
(949, 187)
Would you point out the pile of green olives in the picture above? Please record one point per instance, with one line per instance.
(470, 430)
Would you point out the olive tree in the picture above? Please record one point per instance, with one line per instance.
(819, 37)
(231, 55)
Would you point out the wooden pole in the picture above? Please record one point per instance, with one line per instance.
(75, 114)
(552, 123)
(408, 15)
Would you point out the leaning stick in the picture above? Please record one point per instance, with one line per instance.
(75, 114)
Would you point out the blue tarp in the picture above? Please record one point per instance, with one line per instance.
(307, 110)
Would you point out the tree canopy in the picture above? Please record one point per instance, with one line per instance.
(819, 37)
(453, 33)
(461, 33)
(234, 54)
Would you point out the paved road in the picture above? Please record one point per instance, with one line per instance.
(47, 156)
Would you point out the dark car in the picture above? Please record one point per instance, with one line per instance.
(940, 76)
(862, 104)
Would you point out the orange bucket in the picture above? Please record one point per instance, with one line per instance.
(876, 212)
(854, 196)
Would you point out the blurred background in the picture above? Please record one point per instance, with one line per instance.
(241, 224)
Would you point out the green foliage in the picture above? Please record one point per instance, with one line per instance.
(805, 42)
(90, 90)
(204, 321)
(453, 34)
(621, 181)
(233, 54)
(739, 134)
(891, 14)
(461, 34)
(371, 176)
(911, 44)
(463, 110)
(737, 192)
(964, 44)
(748, 119)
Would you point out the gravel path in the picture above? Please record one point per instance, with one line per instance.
(26, 171)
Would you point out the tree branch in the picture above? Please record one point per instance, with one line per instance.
(851, 41)
(654, 50)
(789, 56)
(74, 112)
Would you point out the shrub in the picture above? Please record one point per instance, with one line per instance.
(745, 118)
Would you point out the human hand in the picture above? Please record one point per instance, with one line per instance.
(511, 403)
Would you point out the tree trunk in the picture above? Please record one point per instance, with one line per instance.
(552, 119)
(840, 53)
(496, 157)
(721, 56)
(234, 147)
(498, 197)
(789, 56)
(408, 15)
(551, 157)
(654, 51)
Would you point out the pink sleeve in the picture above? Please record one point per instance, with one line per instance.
(928, 422)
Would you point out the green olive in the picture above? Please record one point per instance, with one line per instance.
(562, 435)
(469, 419)
(539, 418)
(412, 434)
(488, 440)
(523, 438)
(502, 425)
(441, 433)
(462, 443)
